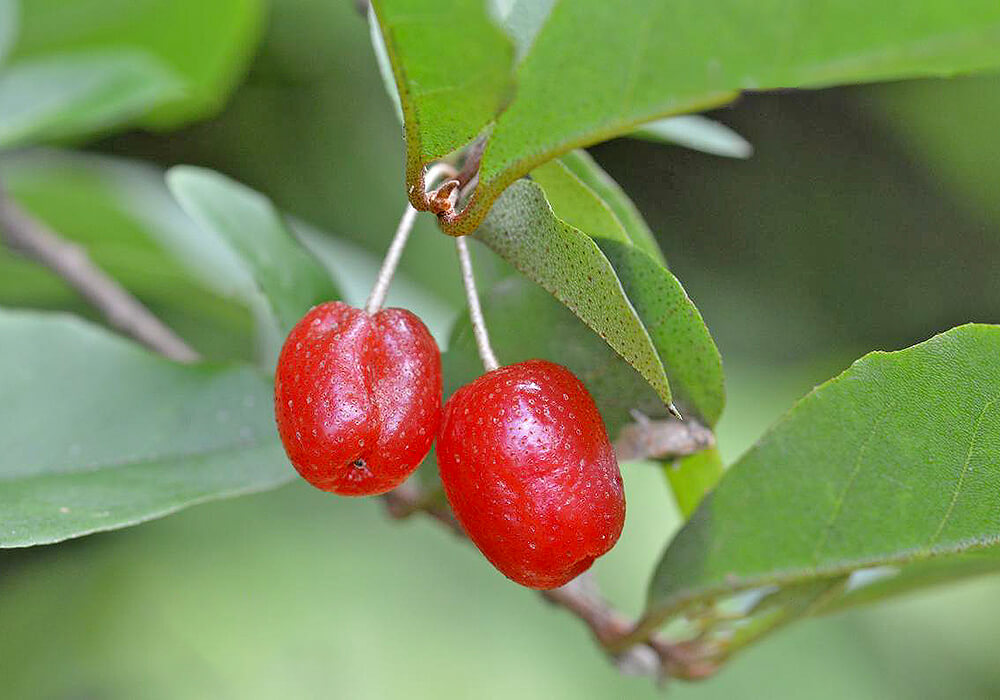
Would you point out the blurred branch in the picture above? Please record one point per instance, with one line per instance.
(661, 439)
(34, 239)
(610, 628)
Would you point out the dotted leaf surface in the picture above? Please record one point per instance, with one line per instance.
(679, 334)
(523, 230)
(527, 323)
(581, 164)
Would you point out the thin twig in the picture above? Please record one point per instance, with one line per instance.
(486, 353)
(661, 439)
(609, 627)
(122, 310)
(392, 256)
(385, 274)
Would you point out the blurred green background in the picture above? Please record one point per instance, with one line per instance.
(868, 218)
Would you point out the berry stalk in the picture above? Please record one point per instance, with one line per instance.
(486, 353)
(385, 274)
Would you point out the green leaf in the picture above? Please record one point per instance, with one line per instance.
(207, 46)
(895, 461)
(99, 434)
(81, 94)
(604, 186)
(693, 477)
(597, 69)
(8, 26)
(697, 133)
(290, 279)
(677, 330)
(523, 230)
(526, 323)
(452, 70)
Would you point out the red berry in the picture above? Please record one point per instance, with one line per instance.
(530, 473)
(357, 397)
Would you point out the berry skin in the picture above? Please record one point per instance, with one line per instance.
(530, 474)
(357, 397)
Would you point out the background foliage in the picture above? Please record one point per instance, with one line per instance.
(845, 233)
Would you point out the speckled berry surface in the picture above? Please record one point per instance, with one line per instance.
(530, 473)
(357, 397)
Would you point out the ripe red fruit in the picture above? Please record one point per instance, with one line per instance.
(530, 473)
(357, 397)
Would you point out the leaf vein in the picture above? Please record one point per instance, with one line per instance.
(838, 505)
(977, 426)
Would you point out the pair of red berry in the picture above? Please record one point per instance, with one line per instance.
(522, 451)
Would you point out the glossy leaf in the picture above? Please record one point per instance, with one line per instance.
(205, 45)
(895, 461)
(697, 133)
(100, 434)
(289, 278)
(679, 334)
(523, 230)
(80, 94)
(452, 70)
(597, 70)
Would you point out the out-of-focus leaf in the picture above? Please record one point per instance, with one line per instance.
(80, 94)
(895, 461)
(599, 69)
(522, 20)
(8, 26)
(673, 323)
(384, 64)
(527, 323)
(289, 278)
(868, 586)
(693, 477)
(603, 185)
(523, 230)
(99, 434)
(452, 68)
(939, 120)
(697, 133)
(121, 212)
(206, 45)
